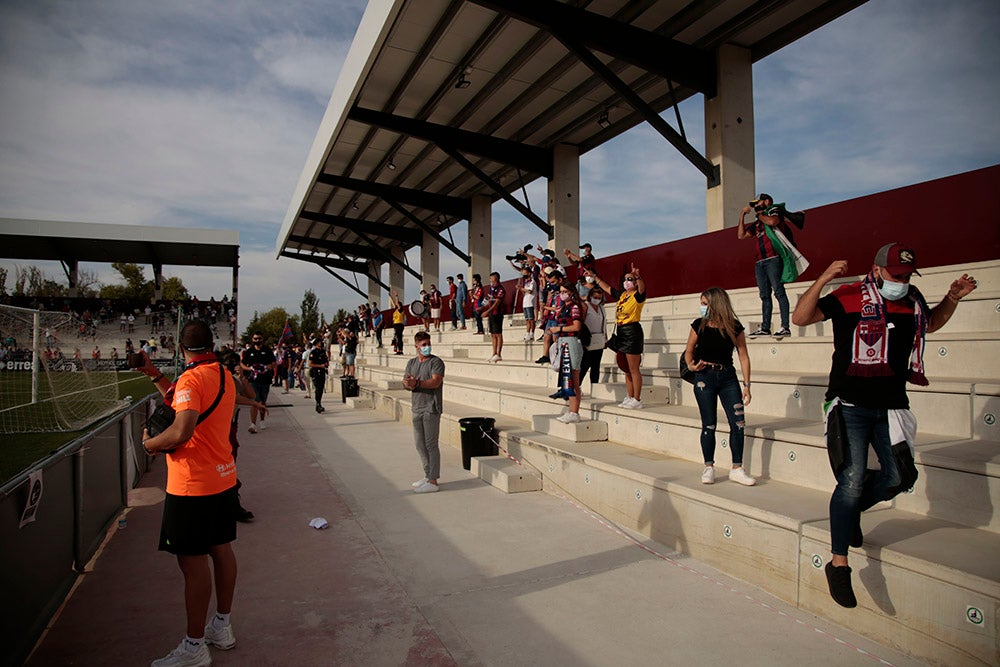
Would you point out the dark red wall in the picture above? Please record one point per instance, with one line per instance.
(952, 220)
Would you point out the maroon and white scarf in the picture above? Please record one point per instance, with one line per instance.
(870, 350)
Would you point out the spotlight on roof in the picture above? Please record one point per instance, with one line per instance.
(391, 165)
(355, 206)
(463, 82)
(602, 120)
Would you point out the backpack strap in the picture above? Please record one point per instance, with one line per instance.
(222, 389)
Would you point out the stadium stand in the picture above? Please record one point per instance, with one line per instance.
(928, 572)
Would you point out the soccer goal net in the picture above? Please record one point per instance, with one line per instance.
(49, 380)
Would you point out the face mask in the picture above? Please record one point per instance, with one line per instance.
(629, 285)
(704, 311)
(891, 291)
(425, 350)
(596, 301)
(564, 297)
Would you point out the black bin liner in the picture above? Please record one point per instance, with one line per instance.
(348, 388)
(476, 434)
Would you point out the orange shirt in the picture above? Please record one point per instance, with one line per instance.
(203, 465)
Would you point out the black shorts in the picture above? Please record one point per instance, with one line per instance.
(496, 324)
(261, 389)
(630, 338)
(193, 524)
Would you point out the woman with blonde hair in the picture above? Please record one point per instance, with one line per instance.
(709, 354)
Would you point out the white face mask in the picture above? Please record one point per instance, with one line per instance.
(425, 350)
(893, 291)
(704, 311)
(596, 301)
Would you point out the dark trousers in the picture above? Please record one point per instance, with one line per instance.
(319, 383)
(592, 362)
(711, 386)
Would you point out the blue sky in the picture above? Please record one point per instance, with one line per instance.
(200, 114)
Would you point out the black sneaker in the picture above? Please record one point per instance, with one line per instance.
(760, 332)
(782, 332)
(857, 537)
(543, 360)
(244, 515)
(839, 580)
(320, 408)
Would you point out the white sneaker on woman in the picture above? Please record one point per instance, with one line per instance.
(569, 418)
(708, 475)
(627, 403)
(740, 476)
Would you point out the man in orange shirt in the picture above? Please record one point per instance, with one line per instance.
(199, 513)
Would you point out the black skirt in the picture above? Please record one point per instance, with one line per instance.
(630, 338)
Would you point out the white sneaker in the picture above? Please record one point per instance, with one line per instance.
(493, 359)
(627, 403)
(708, 475)
(220, 638)
(263, 426)
(636, 404)
(427, 487)
(569, 418)
(184, 656)
(253, 428)
(419, 482)
(740, 476)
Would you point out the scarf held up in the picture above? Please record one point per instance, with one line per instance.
(870, 349)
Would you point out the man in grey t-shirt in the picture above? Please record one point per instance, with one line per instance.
(424, 376)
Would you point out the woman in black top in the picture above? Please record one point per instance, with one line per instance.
(709, 354)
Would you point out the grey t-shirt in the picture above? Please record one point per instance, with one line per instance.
(426, 401)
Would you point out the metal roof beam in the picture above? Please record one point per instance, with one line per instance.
(353, 267)
(528, 158)
(595, 64)
(403, 234)
(673, 60)
(427, 228)
(345, 281)
(499, 189)
(356, 250)
(461, 208)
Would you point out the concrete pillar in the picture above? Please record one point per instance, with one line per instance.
(430, 262)
(564, 201)
(157, 282)
(729, 138)
(73, 275)
(396, 274)
(374, 289)
(480, 238)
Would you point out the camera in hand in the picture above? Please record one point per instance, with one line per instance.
(135, 360)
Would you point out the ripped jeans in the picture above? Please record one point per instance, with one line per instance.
(711, 385)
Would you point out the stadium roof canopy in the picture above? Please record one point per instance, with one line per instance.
(73, 242)
(442, 100)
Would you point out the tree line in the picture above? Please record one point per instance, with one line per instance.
(31, 281)
(271, 324)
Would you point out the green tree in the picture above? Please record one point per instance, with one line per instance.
(136, 285)
(173, 288)
(3, 281)
(271, 324)
(340, 316)
(310, 312)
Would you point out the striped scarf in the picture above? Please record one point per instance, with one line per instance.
(870, 350)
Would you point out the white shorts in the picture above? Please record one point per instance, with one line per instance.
(435, 313)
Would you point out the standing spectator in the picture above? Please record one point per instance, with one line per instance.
(199, 513)
(114, 354)
(378, 324)
(585, 260)
(879, 329)
(709, 353)
(628, 329)
(478, 293)
(769, 264)
(528, 288)
(461, 296)
(96, 354)
(131, 323)
(306, 364)
(425, 317)
(569, 321)
(258, 364)
(452, 293)
(596, 322)
(549, 309)
(424, 375)
(123, 323)
(350, 353)
(148, 312)
(494, 311)
(319, 365)
(398, 323)
(434, 299)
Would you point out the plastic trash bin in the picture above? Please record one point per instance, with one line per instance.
(348, 388)
(476, 434)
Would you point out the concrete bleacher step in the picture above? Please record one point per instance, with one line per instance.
(507, 475)
(917, 591)
(590, 430)
(781, 449)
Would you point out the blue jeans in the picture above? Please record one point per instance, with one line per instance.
(769, 278)
(459, 311)
(711, 385)
(857, 491)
